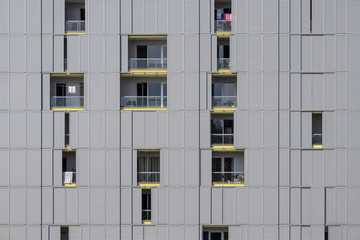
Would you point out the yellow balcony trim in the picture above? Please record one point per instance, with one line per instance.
(74, 32)
(228, 184)
(69, 184)
(317, 146)
(148, 185)
(67, 146)
(66, 74)
(223, 110)
(147, 36)
(224, 74)
(69, 150)
(220, 148)
(215, 226)
(223, 34)
(317, 112)
(148, 150)
(135, 74)
(146, 222)
(67, 109)
(148, 70)
(223, 70)
(142, 109)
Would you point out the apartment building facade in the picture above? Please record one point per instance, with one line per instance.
(179, 119)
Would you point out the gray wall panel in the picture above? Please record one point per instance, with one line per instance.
(112, 232)
(47, 44)
(17, 232)
(229, 204)
(96, 52)
(95, 22)
(17, 16)
(59, 206)
(270, 129)
(4, 127)
(97, 206)
(191, 167)
(96, 91)
(17, 91)
(317, 206)
(112, 89)
(176, 168)
(17, 206)
(71, 209)
(33, 206)
(191, 205)
(205, 118)
(59, 130)
(97, 129)
(97, 168)
(112, 206)
(47, 202)
(112, 16)
(4, 170)
(176, 129)
(270, 165)
(83, 208)
(83, 165)
(353, 129)
(205, 205)
(295, 205)
(33, 129)
(191, 129)
(83, 129)
(125, 206)
(112, 53)
(284, 205)
(163, 213)
(176, 199)
(241, 206)
(4, 50)
(59, 16)
(216, 201)
(126, 126)
(112, 162)
(33, 168)
(4, 206)
(58, 51)
(73, 53)
(17, 168)
(33, 92)
(4, 19)
(126, 167)
(254, 171)
(4, 91)
(255, 206)
(136, 206)
(33, 51)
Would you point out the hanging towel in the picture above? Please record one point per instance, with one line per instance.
(218, 16)
(68, 177)
(72, 89)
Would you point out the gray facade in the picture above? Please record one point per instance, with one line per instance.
(285, 67)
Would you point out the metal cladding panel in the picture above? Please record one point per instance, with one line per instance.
(4, 170)
(353, 91)
(47, 207)
(205, 205)
(17, 16)
(175, 48)
(83, 129)
(47, 18)
(4, 206)
(17, 206)
(176, 94)
(329, 168)
(204, 16)
(59, 130)
(295, 205)
(57, 167)
(295, 167)
(254, 232)
(97, 94)
(191, 54)
(340, 128)
(330, 206)
(255, 16)
(318, 162)
(305, 200)
(45, 100)
(206, 166)
(17, 232)
(284, 205)
(58, 52)
(154, 210)
(149, 16)
(83, 205)
(353, 196)
(318, 18)
(235, 233)
(306, 168)
(229, 205)
(33, 92)
(353, 166)
(191, 16)
(341, 204)
(136, 205)
(329, 53)
(97, 129)
(341, 53)
(126, 205)
(192, 232)
(124, 42)
(329, 129)
(96, 13)
(270, 165)
(97, 206)
(216, 201)
(353, 128)
(33, 206)
(334, 232)
(341, 167)
(97, 168)
(33, 232)
(97, 232)
(176, 129)
(192, 167)
(4, 51)
(74, 233)
(255, 206)
(59, 206)
(270, 16)
(176, 199)
(191, 205)
(33, 129)
(112, 206)
(138, 16)
(73, 53)
(175, 16)
(17, 91)
(112, 161)
(295, 54)
(73, 130)
(176, 232)
(112, 53)
(205, 118)
(162, 232)
(255, 91)
(126, 129)
(295, 94)
(112, 17)
(18, 168)
(318, 206)
(47, 52)
(255, 168)
(33, 53)
(126, 232)
(330, 89)
(176, 167)
(270, 51)
(241, 206)
(83, 165)
(214, 50)
(270, 84)
(284, 232)
(4, 17)
(284, 167)
(284, 53)
(112, 232)
(4, 91)
(239, 53)
(54, 232)
(162, 127)
(305, 16)
(112, 89)
(71, 209)
(33, 168)
(162, 20)
(270, 129)
(59, 16)
(191, 129)
(96, 53)
(255, 129)
(255, 51)
(163, 201)
(191, 93)
(126, 167)
(4, 128)
(295, 131)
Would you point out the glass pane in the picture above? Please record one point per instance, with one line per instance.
(217, 89)
(216, 236)
(228, 165)
(226, 236)
(154, 51)
(141, 51)
(229, 126)
(216, 164)
(217, 126)
(228, 139)
(164, 51)
(154, 89)
(205, 235)
(141, 164)
(229, 89)
(164, 89)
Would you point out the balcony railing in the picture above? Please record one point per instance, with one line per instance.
(69, 177)
(146, 215)
(148, 177)
(223, 63)
(148, 63)
(144, 102)
(228, 177)
(67, 101)
(75, 26)
(222, 25)
(317, 139)
(224, 101)
(222, 139)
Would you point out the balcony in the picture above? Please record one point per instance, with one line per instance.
(222, 139)
(146, 216)
(317, 140)
(222, 25)
(224, 102)
(143, 102)
(69, 178)
(148, 63)
(228, 177)
(75, 26)
(148, 177)
(223, 63)
(67, 102)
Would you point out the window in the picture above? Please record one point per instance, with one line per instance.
(228, 168)
(223, 53)
(223, 16)
(215, 233)
(151, 94)
(75, 16)
(69, 168)
(146, 205)
(64, 230)
(148, 169)
(224, 94)
(67, 129)
(222, 131)
(317, 130)
(67, 91)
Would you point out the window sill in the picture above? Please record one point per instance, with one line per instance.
(148, 185)
(228, 184)
(69, 184)
(223, 109)
(146, 222)
(66, 109)
(317, 146)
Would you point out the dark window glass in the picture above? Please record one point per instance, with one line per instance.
(217, 126)
(228, 165)
(154, 89)
(228, 126)
(216, 164)
(217, 89)
(226, 51)
(226, 235)
(205, 235)
(216, 236)
(82, 14)
(141, 51)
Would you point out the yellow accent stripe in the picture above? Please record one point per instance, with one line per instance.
(69, 184)
(144, 73)
(227, 184)
(66, 74)
(223, 70)
(146, 222)
(143, 109)
(66, 109)
(317, 146)
(147, 36)
(148, 185)
(69, 150)
(223, 146)
(148, 150)
(148, 70)
(224, 74)
(75, 33)
(317, 112)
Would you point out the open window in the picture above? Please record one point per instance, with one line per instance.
(223, 54)
(69, 168)
(228, 168)
(75, 16)
(317, 130)
(146, 206)
(148, 168)
(222, 129)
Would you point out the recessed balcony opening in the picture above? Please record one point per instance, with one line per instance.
(69, 168)
(64, 231)
(148, 54)
(146, 206)
(143, 93)
(67, 130)
(317, 130)
(223, 16)
(215, 233)
(75, 16)
(223, 92)
(228, 168)
(222, 129)
(148, 168)
(223, 54)
(67, 92)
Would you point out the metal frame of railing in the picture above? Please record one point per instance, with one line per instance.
(67, 101)
(148, 101)
(223, 63)
(148, 63)
(224, 101)
(222, 25)
(228, 177)
(153, 177)
(223, 137)
(75, 26)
